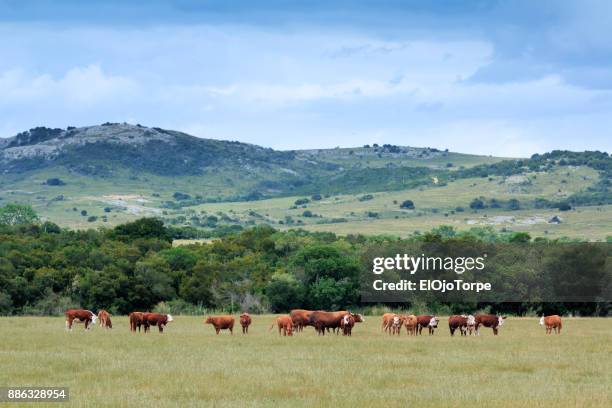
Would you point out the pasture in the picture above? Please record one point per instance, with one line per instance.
(189, 365)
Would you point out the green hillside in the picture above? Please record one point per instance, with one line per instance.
(109, 174)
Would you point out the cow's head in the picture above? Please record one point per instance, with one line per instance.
(542, 320)
(94, 318)
(208, 320)
(471, 320)
(169, 318)
(396, 320)
(358, 318)
(346, 318)
(500, 320)
(433, 322)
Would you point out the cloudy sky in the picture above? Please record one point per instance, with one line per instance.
(507, 78)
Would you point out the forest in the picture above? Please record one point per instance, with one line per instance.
(45, 269)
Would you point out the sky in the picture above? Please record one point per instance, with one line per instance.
(506, 78)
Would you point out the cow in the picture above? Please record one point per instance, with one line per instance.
(135, 320)
(80, 315)
(155, 319)
(284, 324)
(326, 320)
(410, 322)
(552, 322)
(348, 322)
(105, 320)
(461, 322)
(489, 320)
(396, 325)
(429, 321)
(300, 318)
(358, 318)
(386, 321)
(221, 323)
(245, 322)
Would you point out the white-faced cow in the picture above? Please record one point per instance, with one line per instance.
(347, 323)
(461, 322)
(155, 319)
(551, 323)
(429, 321)
(80, 315)
(489, 320)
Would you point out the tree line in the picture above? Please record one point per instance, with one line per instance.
(45, 269)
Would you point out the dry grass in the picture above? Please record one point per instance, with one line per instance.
(190, 366)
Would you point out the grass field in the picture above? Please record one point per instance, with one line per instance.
(189, 365)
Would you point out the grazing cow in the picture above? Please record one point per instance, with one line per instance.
(221, 323)
(429, 321)
(80, 315)
(551, 323)
(155, 319)
(410, 322)
(136, 320)
(461, 322)
(300, 318)
(326, 320)
(245, 322)
(105, 320)
(348, 322)
(489, 320)
(284, 324)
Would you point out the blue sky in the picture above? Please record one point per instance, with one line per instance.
(505, 78)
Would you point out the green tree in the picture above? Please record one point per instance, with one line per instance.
(283, 292)
(16, 214)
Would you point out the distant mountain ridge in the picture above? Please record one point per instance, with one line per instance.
(89, 150)
(135, 156)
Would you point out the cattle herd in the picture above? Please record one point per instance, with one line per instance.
(322, 321)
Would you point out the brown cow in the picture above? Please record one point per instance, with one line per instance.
(135, 320)
(284, 324)
(155, 319)
(410, 322)
(326, 320)
(489, 320)
(80, 315)
(386, 321)
(552, 322)
(348, 322)
(429, 321)
(461, 322)
(245, 322)
(300, 318)
(221, 323)
(105, 320)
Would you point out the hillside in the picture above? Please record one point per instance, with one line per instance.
(112, 173)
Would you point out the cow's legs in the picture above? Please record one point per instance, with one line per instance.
(495, 331)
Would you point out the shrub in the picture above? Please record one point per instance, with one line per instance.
(407, 205)
(564, 206)
(477, 204)
(307, 213)
(301, 201)
(55, 182)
